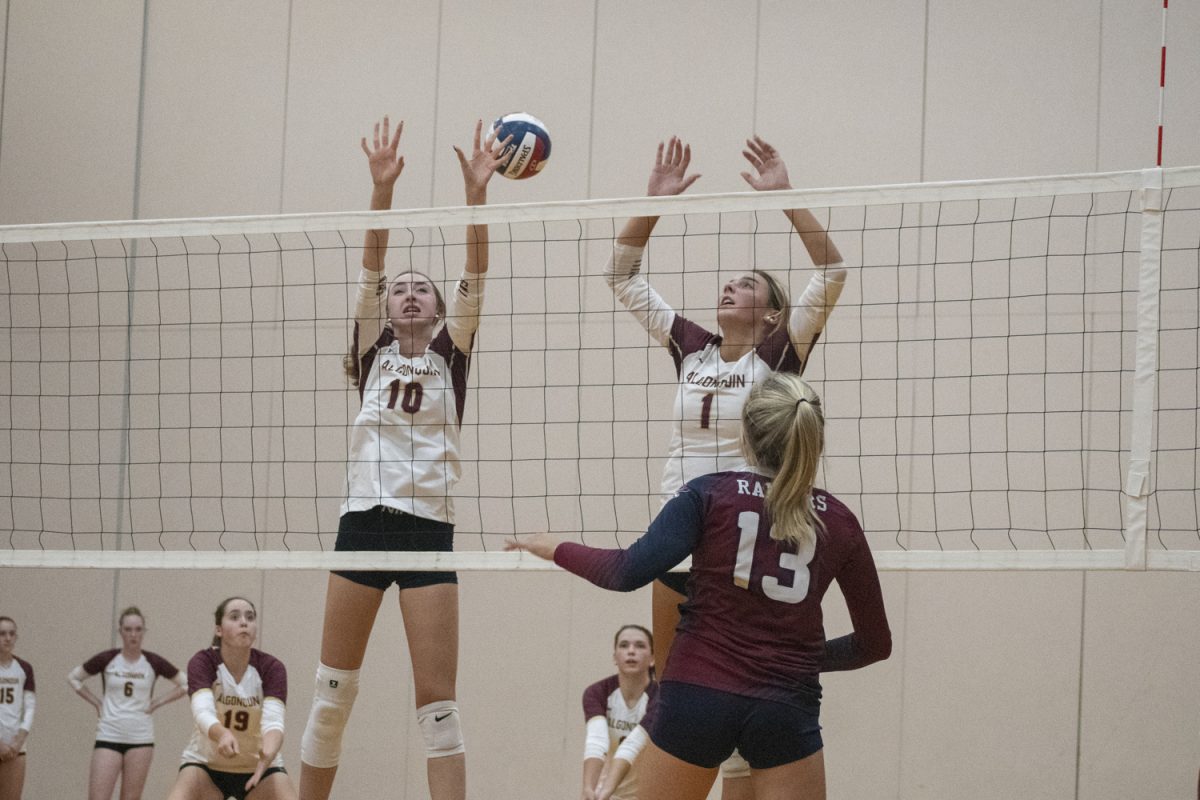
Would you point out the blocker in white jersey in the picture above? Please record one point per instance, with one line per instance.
(708, 406)
(408, 359)
(404, 442)
(128, 690)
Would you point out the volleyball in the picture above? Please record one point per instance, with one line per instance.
(530, 146)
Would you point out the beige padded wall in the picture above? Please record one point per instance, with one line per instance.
(1001, 684)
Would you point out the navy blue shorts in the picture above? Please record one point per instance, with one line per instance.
(702, 726)
(389, 530)
(232, 784)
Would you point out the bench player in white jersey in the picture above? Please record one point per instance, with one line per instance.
(612, 709)
(125, 733)
(238, 695)
(410, 371)
(16, 712)
(759, 335)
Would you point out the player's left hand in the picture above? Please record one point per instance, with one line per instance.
(259, 769)
(541, 545)
(484, 161)
(771, 171)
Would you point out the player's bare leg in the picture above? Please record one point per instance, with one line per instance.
(431, 625)
(105, 769)
(662, 776)
(800, 779)
(350, 610)
(135, 768)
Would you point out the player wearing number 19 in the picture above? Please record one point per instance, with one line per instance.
(238, 695)
(125, 733)
(765, 545)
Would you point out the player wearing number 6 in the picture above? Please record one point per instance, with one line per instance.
(410, 371)
(765, 545)
(238, 695)
(125, 733)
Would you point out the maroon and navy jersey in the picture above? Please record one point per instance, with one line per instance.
(752, 624)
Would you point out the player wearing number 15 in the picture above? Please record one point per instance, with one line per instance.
(16, 712)
(125, 732)
(238, 695)
(765, 545)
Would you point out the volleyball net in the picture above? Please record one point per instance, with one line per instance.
(1009, 378)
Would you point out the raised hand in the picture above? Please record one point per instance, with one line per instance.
(484, 161)
(669, 176)
(385, 165)
(771, 171)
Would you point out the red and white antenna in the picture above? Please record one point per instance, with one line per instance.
(1162, 81)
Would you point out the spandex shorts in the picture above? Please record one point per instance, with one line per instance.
(703, 726)
(231, 784)
(390, 530)
(120, 747)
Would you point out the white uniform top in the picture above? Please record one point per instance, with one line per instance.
(238, 705)
(128, 688)
(708, 407)
(604, 699)
(16, 699)
(404, 441)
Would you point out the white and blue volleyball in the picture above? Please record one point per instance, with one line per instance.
(530, 146)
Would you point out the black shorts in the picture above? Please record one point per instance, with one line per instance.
(703, 726)
(231, 784)
(119, 746)
(389, 530)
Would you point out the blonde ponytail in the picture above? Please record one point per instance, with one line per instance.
(783, 430)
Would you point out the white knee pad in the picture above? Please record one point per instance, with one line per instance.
(735, 767)
(440, 727)
(321, 745)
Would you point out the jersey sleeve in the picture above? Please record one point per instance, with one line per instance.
(812, 310)
(27, 668)
(98, 662)
(671, 537)
(595, 699)
(871, 639)
(274, 677)
(369, 305)
(161, 666)
(463, 310)
(623, 275)
(202, 672)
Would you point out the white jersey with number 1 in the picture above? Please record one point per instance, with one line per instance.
(708, 406)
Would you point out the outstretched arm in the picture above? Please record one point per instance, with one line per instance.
(668, 177)
(385, 166)
(770, 174)
(477, 171)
